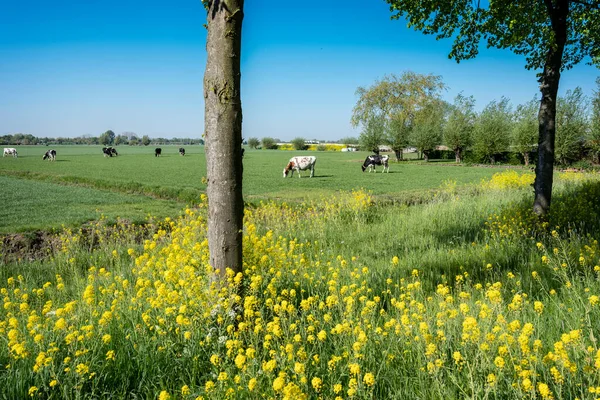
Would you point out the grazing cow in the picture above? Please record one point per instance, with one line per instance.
(50, 155)
(10, 151)
(181, 151)
(300, 164)
(109, 151)
(372, 161)
(157, 152)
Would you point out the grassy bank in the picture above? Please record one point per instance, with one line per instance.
(344, 297)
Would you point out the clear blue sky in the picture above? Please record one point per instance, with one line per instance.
(70, 68)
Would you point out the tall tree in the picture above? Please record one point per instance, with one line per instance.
(552, 34)
(223, 133)
(107, 137)
(525, 129)
(372, 135)
(427, 131)
(492, 130)
(571, 125)
(458, 130)
(593, 138)
(396, 100)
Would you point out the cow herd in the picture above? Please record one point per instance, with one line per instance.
(110, 151)
(297, 164)
(308, 163)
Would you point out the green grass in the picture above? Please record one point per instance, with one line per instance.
(171, 177)
(29, 205)
(333, 262)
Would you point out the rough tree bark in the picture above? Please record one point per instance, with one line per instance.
(223, 133)
(549, 81)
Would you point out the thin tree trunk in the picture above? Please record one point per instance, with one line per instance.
(223, 133)
(457, 155)
(547, 115)
(398, 154)
(526, 158)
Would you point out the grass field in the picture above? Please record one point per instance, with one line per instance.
(171, 177)
(467, 295)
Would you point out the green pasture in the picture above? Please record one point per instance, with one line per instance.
(137, 172)
(31, 205)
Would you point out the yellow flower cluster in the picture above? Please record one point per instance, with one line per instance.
(508, 179)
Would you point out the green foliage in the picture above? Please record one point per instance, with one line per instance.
(120, 139)
(458, 129)
(524, 27)
(492, 130)
(427, 131)
(253, 143)
(395, 102)
(299, 143)
(525, 129)
(571, 126)
(269, 143)
(145, 140)
(107, 138)
(372, 135)
(593, 138)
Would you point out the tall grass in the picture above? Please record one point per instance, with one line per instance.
(466, 296)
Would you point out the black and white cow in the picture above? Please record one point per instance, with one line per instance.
(181, 151)
(300, 164)
(157, 152)
(109, 151)
(10, 151)
(372, 161)
(50, 155)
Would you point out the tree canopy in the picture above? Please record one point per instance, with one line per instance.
(458, 130)
(396, 102)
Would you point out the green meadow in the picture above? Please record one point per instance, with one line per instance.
(463, 294)
(40, 194)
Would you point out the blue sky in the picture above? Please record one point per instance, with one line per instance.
(71, 68)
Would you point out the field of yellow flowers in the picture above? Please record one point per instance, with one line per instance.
(465, 296)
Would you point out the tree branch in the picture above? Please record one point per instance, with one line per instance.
(588, 4)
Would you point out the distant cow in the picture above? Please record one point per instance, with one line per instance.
(372, 161)
(10, 151)
(300, 164)
(50, 155)
(181, 151)
(109, 151)
(157, 152)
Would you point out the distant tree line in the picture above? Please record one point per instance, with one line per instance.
(408, 111)
(106, 138)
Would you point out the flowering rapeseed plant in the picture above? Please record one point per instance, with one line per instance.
(298, 322)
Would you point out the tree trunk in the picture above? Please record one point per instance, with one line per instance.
(549, 81)
(223, 133)
(425, 156)
(526, 158)
(398, 154)
(457, 155)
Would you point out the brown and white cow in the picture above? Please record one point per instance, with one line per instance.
(10, 151)
(300, 164)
